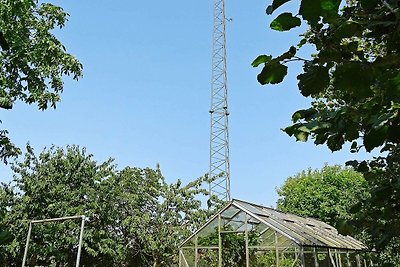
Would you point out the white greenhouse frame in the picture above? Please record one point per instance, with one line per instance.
(31, 223)
(268, 237)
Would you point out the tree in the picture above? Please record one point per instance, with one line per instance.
(5, 235)
(343, 198)
(32, 60)
(327, 194)
(133, 217)
(56, 183)
(153, 216)
(354, 81)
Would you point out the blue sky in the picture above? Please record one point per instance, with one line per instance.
(145, 95)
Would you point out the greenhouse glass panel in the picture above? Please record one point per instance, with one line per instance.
(207, 258)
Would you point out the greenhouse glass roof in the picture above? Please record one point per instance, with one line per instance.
(245, 234)
(305, 232)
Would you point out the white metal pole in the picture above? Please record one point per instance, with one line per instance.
(196, 252)
(27, 244)
(276, 249)
(247, 241)
(219, 242)
(78, 257)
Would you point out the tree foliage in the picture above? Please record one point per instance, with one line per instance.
(354, 77)
(353, 80)
(133, 216)
(327, 194)
(343, 198)
(32, 60)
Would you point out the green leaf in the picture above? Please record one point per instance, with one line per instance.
(260, 60)
(299, 131)
(335, 142)
(269, 10)
(330, 5)
(314, 126)
(354, 147)
(314, 80)
(396, 81)
(383, 119)
(272, 73)
(5, 237)
(369, 4)
(290, 130)
(356, 208)
(363, 166)
(320, 138)
(303, 114)
(353, 78)
(347, 30)
(275, 4)
(301, 136)
(302, 42)
(375, 138)
(310, 10)
(352, 132)
(330, 8)
(285, 22)
(287, 55)
(5, 103)
(352, 163)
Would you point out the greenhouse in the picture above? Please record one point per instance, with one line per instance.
(243, 234)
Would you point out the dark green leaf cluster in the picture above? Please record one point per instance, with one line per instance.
(354, 81)
(380, 213)
(5, 236)
(32, 60)
(353, 77)
(133, 216)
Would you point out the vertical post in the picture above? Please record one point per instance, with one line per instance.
(78, 257)
(348, 259)
(316, 258)
(219, 242)
(358, 260)
(331, 258)
(276, 249)
(196, 253)
(27, 244)
(303, 262)
(180, 258)
(340, 259)
(246, 234)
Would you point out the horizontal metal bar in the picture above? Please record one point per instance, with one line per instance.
(232, 232)
(59, 219)
(205, 247)
(201, 247)
(270, 247)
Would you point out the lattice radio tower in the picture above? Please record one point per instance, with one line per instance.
(219, 138)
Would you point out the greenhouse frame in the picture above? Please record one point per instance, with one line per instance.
(243, 234)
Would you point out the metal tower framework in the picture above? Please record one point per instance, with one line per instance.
(219, 138)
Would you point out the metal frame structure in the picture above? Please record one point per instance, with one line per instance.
(219, 138)
(31, 223)
(245, 234)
